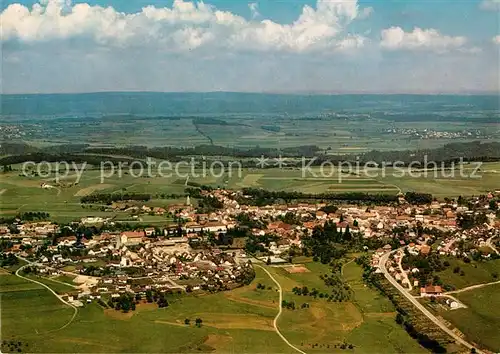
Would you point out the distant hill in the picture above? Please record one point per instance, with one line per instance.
(159, 104)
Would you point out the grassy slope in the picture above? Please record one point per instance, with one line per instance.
(480, 321)
(475, 272)
(368, 322)
(239, 321)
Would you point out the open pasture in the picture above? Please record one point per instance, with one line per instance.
(367, 321)
(35, 316)
(239, 321)
(479, 321)
(473, 273)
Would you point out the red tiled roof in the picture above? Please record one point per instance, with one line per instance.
(431, 289)
(133, 234)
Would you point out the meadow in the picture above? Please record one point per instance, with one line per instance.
(20, 193)
(239, 321)
(473, 273)
(367, 321)
(479, 321)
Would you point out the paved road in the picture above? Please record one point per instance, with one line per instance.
(53, 292)
(417, 304)
(275, 322)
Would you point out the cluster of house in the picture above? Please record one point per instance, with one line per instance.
(462, 243)
(29, 229)
(164, 268)
(145, 209)
(134, 262)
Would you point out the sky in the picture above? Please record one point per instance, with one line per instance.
(283, 46)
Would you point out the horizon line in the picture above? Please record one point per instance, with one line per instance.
(298, 93)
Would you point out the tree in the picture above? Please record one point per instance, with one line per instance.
(198, 321)
(187, 321)
(268, 262)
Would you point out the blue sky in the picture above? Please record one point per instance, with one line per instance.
(258, 45)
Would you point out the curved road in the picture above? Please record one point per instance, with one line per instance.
(55, 294)
(427, 313)
(275, 322)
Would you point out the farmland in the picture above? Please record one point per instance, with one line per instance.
(339, 123)
(232, 321)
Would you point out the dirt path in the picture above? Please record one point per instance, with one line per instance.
(55, 294)
(280, 309)
(61, 282)
(472, 287)
(343, 265)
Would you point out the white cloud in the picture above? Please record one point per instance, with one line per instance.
(365, 13)
(395, 38)
(490, 5)
(254, 9)
(496, 39)
(184, 26)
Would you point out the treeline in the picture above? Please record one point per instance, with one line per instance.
(26, 216)
(261, 197)
(33, 216)
(418, 198)
(214, 121)
(169, 152)
(38, 157)
(160, 152)
(447, 154)
(108, 199)
(469, 151)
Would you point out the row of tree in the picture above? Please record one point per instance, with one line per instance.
(261, 197)
(107, 198)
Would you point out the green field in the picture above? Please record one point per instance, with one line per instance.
(480, 321)
(474, 272)
(239, 321)
(367, 322)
